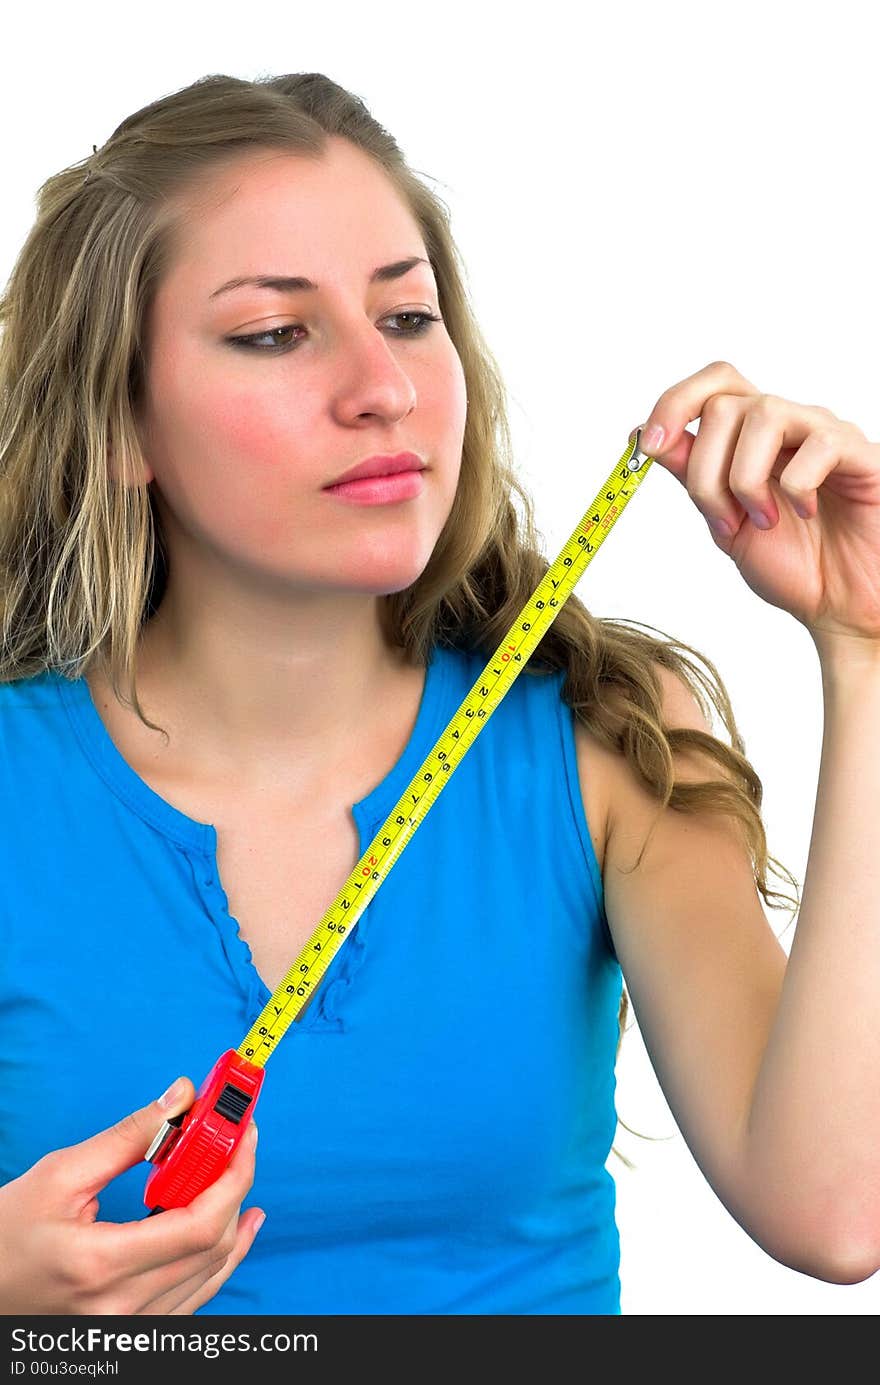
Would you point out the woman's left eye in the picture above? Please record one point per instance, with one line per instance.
(423, 322)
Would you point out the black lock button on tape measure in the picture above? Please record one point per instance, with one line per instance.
(192, 1149)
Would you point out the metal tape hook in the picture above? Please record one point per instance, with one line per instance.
(638, 458)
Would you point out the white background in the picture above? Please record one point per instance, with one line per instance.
(637, 191)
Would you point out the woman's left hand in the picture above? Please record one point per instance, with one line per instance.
(814, 476)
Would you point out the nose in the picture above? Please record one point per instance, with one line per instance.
(372, 376)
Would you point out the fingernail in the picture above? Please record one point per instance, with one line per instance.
(760, 520)
(169, 1097)
(720, 527)
(259, 1222)
(652, 438)
(254, 1135)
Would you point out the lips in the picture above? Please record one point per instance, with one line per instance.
(380, 466)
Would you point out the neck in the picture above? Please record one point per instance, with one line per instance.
(261, 700)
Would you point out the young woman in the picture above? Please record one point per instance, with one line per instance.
(221, 666)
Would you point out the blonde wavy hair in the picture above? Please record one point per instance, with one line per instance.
(82, 560)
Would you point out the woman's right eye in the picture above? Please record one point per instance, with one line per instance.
(250, 342)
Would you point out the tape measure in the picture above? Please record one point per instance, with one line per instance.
(192, 1149)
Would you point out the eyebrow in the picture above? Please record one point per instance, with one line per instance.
(295, 283)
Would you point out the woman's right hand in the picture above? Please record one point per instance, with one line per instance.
(58, 1259)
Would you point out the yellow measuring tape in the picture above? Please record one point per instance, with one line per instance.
(300, 982)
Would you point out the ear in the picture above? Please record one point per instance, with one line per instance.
(144, 479)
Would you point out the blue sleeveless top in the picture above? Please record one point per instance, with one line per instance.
(434, 1131)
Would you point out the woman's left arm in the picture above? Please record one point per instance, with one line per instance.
(812, 1135)
(816, 1103)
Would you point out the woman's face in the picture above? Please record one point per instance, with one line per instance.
(241, 440)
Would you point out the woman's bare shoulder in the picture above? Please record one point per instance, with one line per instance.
(608, 781)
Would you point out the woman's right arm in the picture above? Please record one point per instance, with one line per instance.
(58, 1259)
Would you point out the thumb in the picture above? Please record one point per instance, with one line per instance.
(124, 1144)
